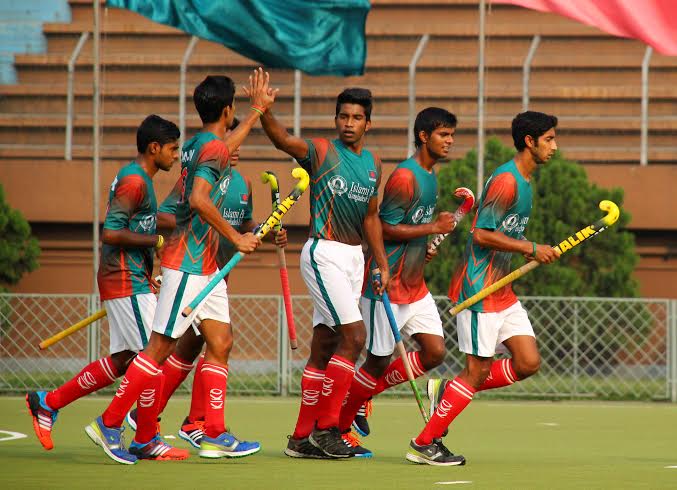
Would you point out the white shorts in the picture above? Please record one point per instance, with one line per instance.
(481, 334)
(333, 272)
(418, 317)
(177, 291)
(129, 321)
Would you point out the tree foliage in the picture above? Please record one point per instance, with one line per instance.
(19, 250)
(564, 202)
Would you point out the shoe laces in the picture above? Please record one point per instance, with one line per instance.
(443, 449)
(351, 439)
(200, 424)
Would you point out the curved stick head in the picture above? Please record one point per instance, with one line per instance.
(468, 198)
(302, 176)
(269, 177)
(613, 213)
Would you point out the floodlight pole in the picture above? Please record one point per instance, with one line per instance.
(95, 141)
(480, 104)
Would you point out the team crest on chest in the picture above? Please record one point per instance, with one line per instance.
(223, 186)
(148, 223)
(244, 198)
(338, 185)
(418, 214)
(372, 175)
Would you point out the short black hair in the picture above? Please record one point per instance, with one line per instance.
(234, 124)
(212, 96)
(530, 123)
(431, 118)
(155, 128)
(355, 95)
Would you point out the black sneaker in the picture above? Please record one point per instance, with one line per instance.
(354, 443)
(302, 448)
(330, 442)
(435, 454)
(361, 424)
(435, 388)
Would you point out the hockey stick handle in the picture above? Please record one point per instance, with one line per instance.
(72, 329)
(376, 274)
(461, 211)
(565, 245)
(261, 231)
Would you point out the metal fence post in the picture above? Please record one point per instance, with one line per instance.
(283, 374)
(412, 92)
(526, 71)
(672, 349)
(68, 149)
(93, 331)
(576, 349)
(644, 136)
(182, 86)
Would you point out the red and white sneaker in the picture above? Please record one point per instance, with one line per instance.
(192, 432)
(43, 417)
(157, 450)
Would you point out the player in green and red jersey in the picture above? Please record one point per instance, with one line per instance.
(125, 272)
(232, 195)
(343, 211)
(499, 321)
(188, 264)
(409, 201)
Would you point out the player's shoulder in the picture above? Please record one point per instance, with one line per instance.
(132, 173)
(505, 174)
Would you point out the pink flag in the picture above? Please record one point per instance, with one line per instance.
(652, 21)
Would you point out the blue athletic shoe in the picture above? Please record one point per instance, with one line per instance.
(111, 440)
(226, 446)
(43, 417)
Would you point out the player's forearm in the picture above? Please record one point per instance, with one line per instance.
(498, 241)
(128, 239)
(235, 138)
(280, 137)
(166, 221)
(403, 233)
(373, 233)
(208, 212)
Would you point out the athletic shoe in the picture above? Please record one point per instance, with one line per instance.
(435, 454)
(192, 432)
(111, 440)
(435, 389)
(43, 417)
(302, 448)
(351, 440)
(131, 421)
(360, 424)
(330, 442)
(157, 450)
(226, 445)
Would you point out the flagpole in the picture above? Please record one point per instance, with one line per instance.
(480, 104)
(95, 141)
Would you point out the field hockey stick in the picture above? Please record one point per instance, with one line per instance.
(271, 178)
(77, 326)
(190, 311)
(565, 245)
(376, 274)
(461, 211)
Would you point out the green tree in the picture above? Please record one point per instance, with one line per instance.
(564, 202)
(19, 250)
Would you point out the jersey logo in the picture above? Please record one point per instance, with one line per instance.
(372, 175)
(244, 198)
(223, 186)
(148, 223)
(338, 185)
(187, 156)
(115, 182)
(418, 214)
(513, 223)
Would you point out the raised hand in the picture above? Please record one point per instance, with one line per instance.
(260, 94)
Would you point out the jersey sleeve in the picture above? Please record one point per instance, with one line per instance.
(248, 211)
(317, 151)
(128, 194)
(212, 160)
(170, 202)
(398, 196)
(499, 197)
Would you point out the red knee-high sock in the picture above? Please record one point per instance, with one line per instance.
(197, 397)
(175, 371)
(148, 409)
(337, 378)
(139, 376)
(457, 395)
(214, 378)
(311, 386)
(93, 377)
(361, 389)
(501, 374)
(396, 374)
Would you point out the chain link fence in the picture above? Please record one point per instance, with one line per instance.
(592, 348)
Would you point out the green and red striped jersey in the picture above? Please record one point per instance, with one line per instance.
(341, 185)
(131, 206)
(193, 245)
(505, 206)
(409, 198)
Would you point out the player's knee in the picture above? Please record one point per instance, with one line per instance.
(477, 374)
(527, 366)
(432, 356)
(221, 346)
(122, 360)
